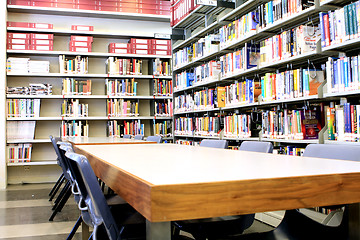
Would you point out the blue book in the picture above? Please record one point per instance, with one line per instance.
(322, 29)
(335, 77)
(346, 72)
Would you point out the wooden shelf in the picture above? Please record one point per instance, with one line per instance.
(88, 13)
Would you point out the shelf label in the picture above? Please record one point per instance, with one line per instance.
(162, 35)
(207, 2)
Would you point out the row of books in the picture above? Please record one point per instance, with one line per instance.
(291, 150)
(71, 86)
(33, 89)
(291, 124)
(237, 125)
(239, 29)
(162, 87)
(343, 122)
(240, 60)
(20, 130)
(30, 41)
(291, 84)
(163, 128)
(203, 47)
(205, 99)
(240, 93)
(278, 10)
(293, 42)
(183, 103)
(343, 73)
(199, 126)
(73, 108)
(19, 152)
(184, 142)
(184, 79)
(77, 65)
(340, 25)
(120, 87)
(161, 67)
(15, 65)
(120, 66)
(163, 108)
(74, 128)
(206, 72)
(122, 108)
(23, 108)
(119, 128)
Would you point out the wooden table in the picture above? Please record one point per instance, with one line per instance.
(104, 140)
(167, 182)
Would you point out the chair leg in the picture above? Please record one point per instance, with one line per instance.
(75, 228)
(56, 187)
(66, 188)
(61, 204)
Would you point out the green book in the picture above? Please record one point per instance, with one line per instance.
(346, 18)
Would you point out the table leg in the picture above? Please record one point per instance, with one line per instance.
(158, 230)
(84, 231)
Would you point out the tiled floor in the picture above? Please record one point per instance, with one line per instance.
(25, 210)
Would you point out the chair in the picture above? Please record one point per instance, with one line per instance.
(295, 225)
(254, 146)
(129, 224)
(61, 178)
(157, 139)
(219, 227)
(127, 136)
(214, 143)
(139, 137)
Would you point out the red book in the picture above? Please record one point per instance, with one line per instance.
(327, 29)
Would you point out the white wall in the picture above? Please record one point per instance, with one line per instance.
(3, 15)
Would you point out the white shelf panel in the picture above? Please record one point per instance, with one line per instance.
(342, 46)
(28, 141)
(70, 32)
(38, 163)
(88, 13)
(342, 94)
(185, 136)
(239, 74)
(290, 140)
(240, 106)
(312, 97)
(207, 137)
(206, 110)
(16, 96)
(341, 142)
(242, 138)
(91, 54)
(35, 119)
(91, 75)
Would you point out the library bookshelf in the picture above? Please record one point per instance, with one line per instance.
(191, 35)
(188, 38)
(109, 27)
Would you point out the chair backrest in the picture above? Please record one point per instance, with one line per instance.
(154, 139)
(127, 136)
(214, 143)
(93, 196)
(342, 151)
(139, 137)
(255, 146)
(60, 156)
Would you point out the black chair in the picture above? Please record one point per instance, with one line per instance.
(157, 139)
(220, 227)
(214, 143)
(125, 222)
(139, 137)
(296, 225)
(127, 136)
(61, 178)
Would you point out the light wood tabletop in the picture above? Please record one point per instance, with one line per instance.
(103, 140)
(167, 182)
